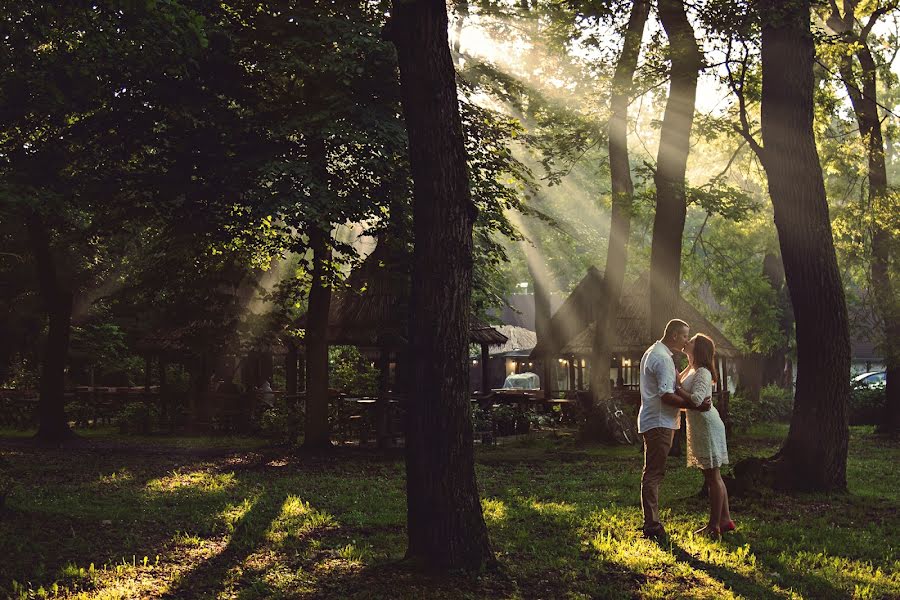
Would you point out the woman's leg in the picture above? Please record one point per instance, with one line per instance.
(715, 497)
(726, 513)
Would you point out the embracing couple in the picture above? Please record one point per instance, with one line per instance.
(664, 393)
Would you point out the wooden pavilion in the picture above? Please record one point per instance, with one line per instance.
(572, 331)
(371, 313)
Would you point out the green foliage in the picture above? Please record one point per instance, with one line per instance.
(718, 197)
(350, 372)
(275, 422)
(867, 405)
(137, 417)
(775, 406)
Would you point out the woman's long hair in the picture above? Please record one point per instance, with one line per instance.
(705, 354)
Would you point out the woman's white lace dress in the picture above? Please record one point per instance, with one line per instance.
(705, 430)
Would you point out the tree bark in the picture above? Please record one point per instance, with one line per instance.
(814, 456)
(542, 329)
(446, 527)
(316, 431)
(863, 93)
(775, 361)
(671, 165)
(57, 301)
(598, 426)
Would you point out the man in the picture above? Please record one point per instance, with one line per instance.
(659, 417)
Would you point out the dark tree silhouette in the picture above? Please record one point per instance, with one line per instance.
(316, 430)
(814, 456)
(606, 308)
(446, 526)
(671, 164)
(861, 85)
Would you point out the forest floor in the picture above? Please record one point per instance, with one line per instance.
(119, 517)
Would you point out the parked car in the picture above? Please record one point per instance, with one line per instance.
(871, 380)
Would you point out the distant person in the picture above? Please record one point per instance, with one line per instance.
(706, 446)
(659, 417)
(266, 396)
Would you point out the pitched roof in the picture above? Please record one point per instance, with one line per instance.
(572, 326)
(372, 309)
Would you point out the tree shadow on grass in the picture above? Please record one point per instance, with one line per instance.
(88, 506)
(209, 577)
(735, 582)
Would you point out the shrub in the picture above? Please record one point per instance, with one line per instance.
(504, 419)
(80, 412)
(481, 420)
(137, 417)
(775, 404)
(866, 405)
(6, 481)
(350, 372)
(274, 422)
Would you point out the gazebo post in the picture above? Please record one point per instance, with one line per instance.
(724, 396)
(571, 373)
(147, 360)
(382, 412)
(485, 379)
(161, 366)
(620, 378)
(290, 390)
(580, 372)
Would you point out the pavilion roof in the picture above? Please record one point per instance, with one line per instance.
(372, 310)
(572, 326)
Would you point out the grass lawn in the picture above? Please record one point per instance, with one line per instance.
(199, 518)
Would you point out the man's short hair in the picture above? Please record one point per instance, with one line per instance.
(672, 326)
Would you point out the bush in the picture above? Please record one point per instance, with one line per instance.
(481, 420)
(6, 481)
(866, 405)
(775, 405)
(274, 423)
(137, 417)
(80, 412)
(508, 420)
(350, 372)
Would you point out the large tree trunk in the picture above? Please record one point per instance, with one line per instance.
(671, 165)
(814, 456)
(445, 523)
(864, 99)
(52, 424)
(316, 431)
(606, 306)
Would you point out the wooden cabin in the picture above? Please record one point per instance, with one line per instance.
(572, 331)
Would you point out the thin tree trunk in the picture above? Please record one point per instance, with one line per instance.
(290, 389)
(864, 99)
(316, 430)
(775, 361)
(164, 411)
(542, 329)
(445, 523)
(814, 456)
(671, 165)
(52, 424)
(383, 436)
(606, 305)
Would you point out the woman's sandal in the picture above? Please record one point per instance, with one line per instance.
(728, 526)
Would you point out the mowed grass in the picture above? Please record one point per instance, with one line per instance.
(93, 522)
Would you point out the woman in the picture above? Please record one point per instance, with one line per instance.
(706, 445)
